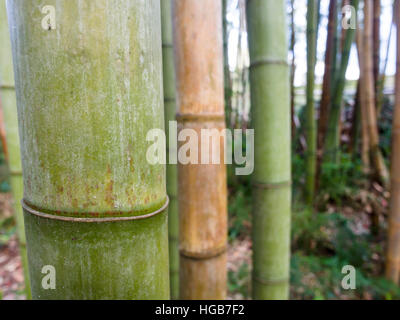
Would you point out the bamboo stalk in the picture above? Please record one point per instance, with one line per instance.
(172, 174)
(202, 188)
(9, 109)
(270, 98)
(376, 46)
(333, 133)
(393, 250)
(364, 130)
(292, 69)
(310, 122)
(327, 80)
(369, 91)
(88, 92)
(227, 73)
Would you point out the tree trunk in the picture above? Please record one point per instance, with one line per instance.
(333, 133)
(310, 122)
(172, 172)
(377, 160)
(202, 188)
(270, 91)
(9, 109)
(88, 92)
(393, 251)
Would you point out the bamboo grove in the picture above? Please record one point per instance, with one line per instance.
(101, 100)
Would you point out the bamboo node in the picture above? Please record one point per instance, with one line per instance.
(7, 86)
(275, 185)
(271, 281)
(27, 208)
(266, 61)
(183, 117)
(208, 254)
(15, 173)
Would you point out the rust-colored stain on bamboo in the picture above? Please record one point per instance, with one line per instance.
(202, 187)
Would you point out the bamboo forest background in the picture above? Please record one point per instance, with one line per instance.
(342, 117)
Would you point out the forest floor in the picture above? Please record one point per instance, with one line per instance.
(337, 234)
(11, 273)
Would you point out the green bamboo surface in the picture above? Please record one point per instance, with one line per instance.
(172, 174)
(270, 98)
(89, 88)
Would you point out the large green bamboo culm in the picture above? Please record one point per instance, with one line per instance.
(332, 140)
(310, 121)
(270, 98)
(172, 174)
(8, 99)
(88, 80)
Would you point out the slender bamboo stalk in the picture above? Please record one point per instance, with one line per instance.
(333, 132)
(270, 91)
(382, 77)
(327, 81)
(310, 125)
(377, 160)
(227, 73)
(364, 130)
(172, 170)
(292, 69)
(393, 250)
(9, 104)
(88, 92)
(202, 187)
(376, 46)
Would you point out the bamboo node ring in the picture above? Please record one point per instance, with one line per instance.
(213, 253)
(260, 62)
(45, 215)
(271, 281)
(7, 86)
(182, 117)
(269, 186)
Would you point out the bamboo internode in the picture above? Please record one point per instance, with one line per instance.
(270, 100)
(202, 188)
(88, 92)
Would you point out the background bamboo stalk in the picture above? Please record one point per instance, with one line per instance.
(310, 121)
(368, 78)
(393, 250)
(270, 91)
(202, 188)
(9, 104)
(327, 80)
(377, 10)
(364, 130)
(172, 174)
(88, 92)
(292, 69)
(332, 143)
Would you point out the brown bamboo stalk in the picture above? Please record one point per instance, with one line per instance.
(377, 45)
(393, 251)
(364, 130)
(202, 188)
(369, 92)
(327, 85)
(3, 133)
